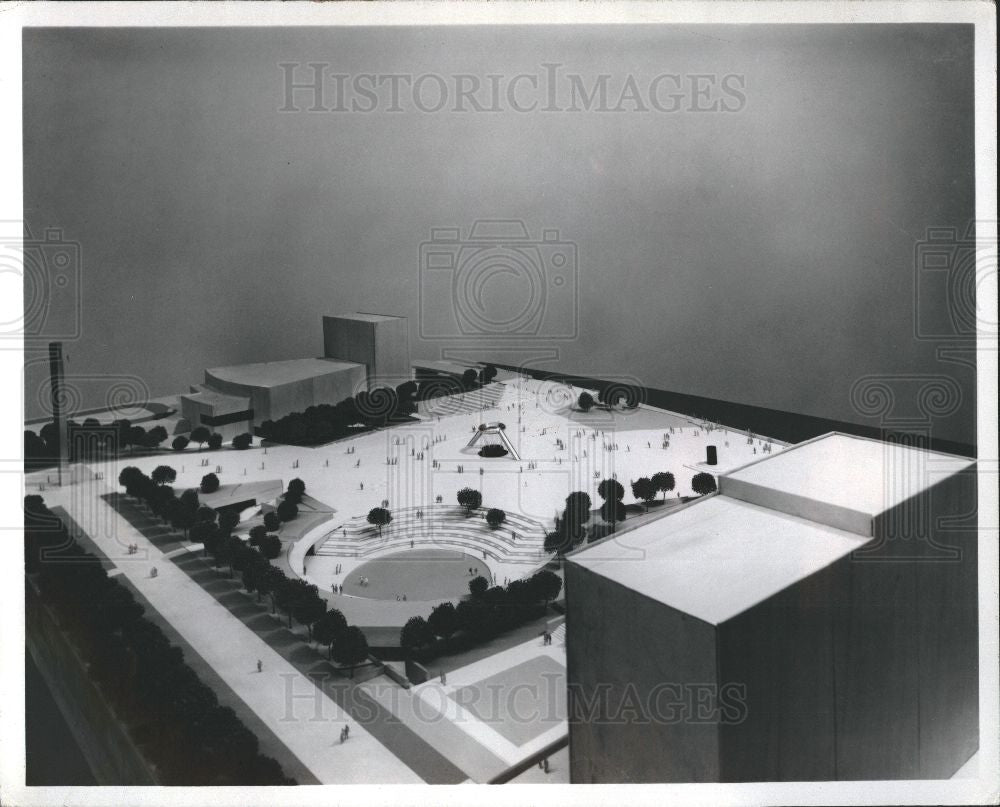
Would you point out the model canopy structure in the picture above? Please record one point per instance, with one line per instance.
(498, 429)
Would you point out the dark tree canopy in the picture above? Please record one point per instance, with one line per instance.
(209, 483)
(180, 443)
(703, 483)
(478, 586)
(470, 498)
(546, 584)
(214, 441)
(329, 626)
(495, 517)
(415, 634)
(613, 510)
(469, 378)
(644, 489)
(271, 521)
(442, 620)
(163, 475)
(200, 435)
(379, 517)
(228, 520)
(296, 490)
(288, 511)
(611, 489)
(270, 546)
(241, 442)
(663, 481)
(585, 401)
(350, 647)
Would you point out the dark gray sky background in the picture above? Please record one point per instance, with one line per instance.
(764, 256)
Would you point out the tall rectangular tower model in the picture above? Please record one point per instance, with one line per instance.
(379, 341)
(816, 619)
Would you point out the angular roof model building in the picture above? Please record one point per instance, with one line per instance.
(832, 585)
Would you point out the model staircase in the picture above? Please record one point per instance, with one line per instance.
(442, 527)
(462, 403)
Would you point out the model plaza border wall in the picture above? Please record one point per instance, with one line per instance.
(826, 584)
(361, 351)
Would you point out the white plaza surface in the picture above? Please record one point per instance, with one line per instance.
(353, 475)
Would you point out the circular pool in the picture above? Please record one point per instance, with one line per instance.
(420, 574)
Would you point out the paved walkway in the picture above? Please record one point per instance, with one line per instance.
(306, 720)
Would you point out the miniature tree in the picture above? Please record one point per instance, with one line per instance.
(379, 517)
(613, 510)
(209, 483)
(703, 483)
(611, 489)
(546, 585)
(577, 512)
(163, 475)
(585, 401)
(271, 521)
(478, 586)
(214, 441)
(350, 647)
(495, 517)
(644, 489)
(228, 520)
(180, 443)
(307, 610)
(328, 627)
(296, 490)
(664, 482)
(200, 435)
(241, 442)
(442, 621)
(288, 511)
(415, 634)
(270, 546)
(470, 499)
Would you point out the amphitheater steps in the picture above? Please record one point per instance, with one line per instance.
(441, 525)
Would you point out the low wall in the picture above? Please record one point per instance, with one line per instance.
(112, 756)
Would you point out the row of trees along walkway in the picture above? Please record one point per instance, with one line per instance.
(259, 616)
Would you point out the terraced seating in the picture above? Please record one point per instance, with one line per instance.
(441, 526)
(473, 401)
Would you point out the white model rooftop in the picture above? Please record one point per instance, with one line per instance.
(841, 480)
(718, 557)
(364, 316)
(222, 402)
(772, 523)
(276, 373)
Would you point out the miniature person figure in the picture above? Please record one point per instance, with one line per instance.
(153, 573)
(545, 764)
(260, 665)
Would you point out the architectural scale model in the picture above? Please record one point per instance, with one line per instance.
(647, 446)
